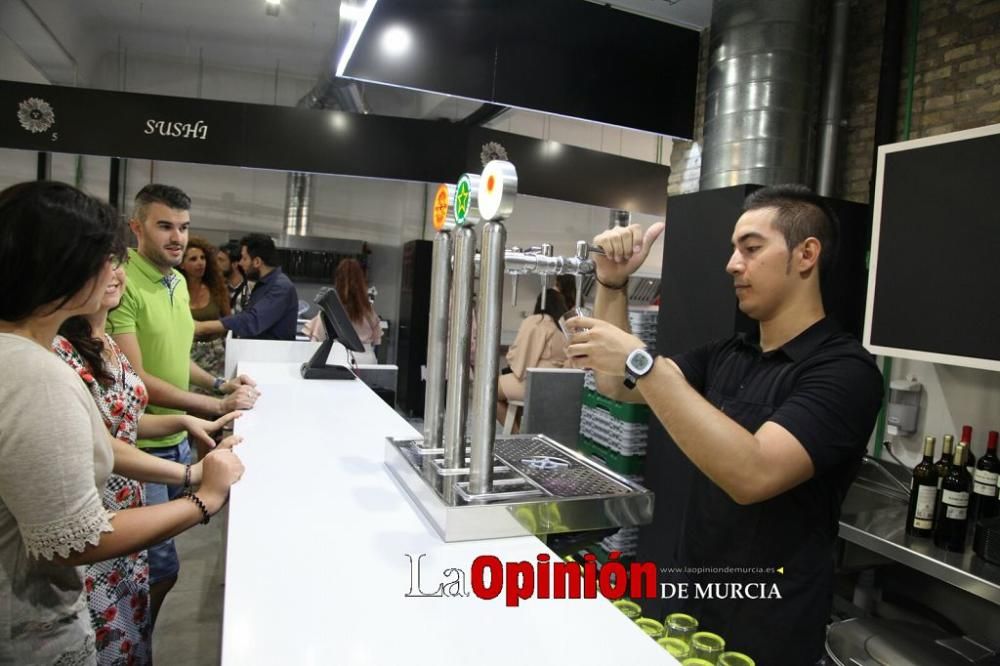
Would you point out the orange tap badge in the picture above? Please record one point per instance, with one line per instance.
(440, 206)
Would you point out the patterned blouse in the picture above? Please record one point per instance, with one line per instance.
(117, 589)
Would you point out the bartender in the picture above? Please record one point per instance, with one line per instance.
(776, 424)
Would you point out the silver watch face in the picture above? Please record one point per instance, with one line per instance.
(639, 361)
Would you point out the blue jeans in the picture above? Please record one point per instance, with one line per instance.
(163, 562)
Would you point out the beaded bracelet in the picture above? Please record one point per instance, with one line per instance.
(201, 505)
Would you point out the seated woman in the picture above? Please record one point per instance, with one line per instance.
(57, 454)
(118, 588)
(352, 288)
(209, 302)
(540, 343)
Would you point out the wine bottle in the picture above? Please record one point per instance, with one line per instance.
(923, 494)
(970, 459)
(984, 503)
(952, 519)
(944, 462)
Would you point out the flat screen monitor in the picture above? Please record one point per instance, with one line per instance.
(338, 329)
(933, 291)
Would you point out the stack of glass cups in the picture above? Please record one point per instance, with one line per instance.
(629, 609)
(735, 659)
(675, 646)
(652, 628)
(708, 646)
(680, 625)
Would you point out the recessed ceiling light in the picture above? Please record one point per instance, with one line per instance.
(396, 40)
(272, 7)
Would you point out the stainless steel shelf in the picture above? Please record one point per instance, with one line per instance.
(875, 521)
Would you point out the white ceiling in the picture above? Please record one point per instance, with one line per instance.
(66, 40)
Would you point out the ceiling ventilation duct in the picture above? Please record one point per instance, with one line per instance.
(330, 92)
(762, 68)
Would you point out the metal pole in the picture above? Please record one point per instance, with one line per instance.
(456, 401)
(484, 390)
(832, 99)
(437, 341)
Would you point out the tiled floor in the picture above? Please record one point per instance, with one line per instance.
(189, 629)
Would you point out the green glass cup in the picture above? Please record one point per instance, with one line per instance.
(696, 661)
(652, 628)
(707, 646)
(675, 646)
(735, 659)
(629, 609)
(680, 625)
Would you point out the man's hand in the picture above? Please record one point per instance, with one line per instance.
(236, 382)
(603, 348)
(625, 249)
(243, 397)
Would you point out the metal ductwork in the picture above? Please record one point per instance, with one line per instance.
(762, 68)
(330, 92)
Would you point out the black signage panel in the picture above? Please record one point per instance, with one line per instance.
(96, 122)
(558, 171)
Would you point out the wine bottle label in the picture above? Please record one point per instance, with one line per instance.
(923, 517)
(956, 513)
(985, 483)
(955, 499)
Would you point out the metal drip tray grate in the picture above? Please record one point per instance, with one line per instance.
(553, 470)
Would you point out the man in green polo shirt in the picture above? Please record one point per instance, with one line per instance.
(154, 328)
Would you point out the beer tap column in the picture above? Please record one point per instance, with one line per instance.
(456, 400)
(437, 334)
(497, 191)
(484, 388)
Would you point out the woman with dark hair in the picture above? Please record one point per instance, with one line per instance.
(56, 453)
(118, 588)
(352, 288)
(539, 344)
(209, 302)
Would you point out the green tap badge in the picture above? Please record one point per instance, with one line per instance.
(463, 199)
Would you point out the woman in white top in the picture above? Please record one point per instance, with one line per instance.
(60, 248)
(352, 288)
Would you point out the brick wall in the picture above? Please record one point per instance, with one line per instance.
(957, 86)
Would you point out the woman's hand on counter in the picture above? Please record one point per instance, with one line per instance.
(221, 468)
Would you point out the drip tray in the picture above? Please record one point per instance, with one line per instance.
(539, 487)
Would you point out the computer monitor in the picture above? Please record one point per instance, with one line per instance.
(338, 328)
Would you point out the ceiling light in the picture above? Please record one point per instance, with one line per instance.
(352, 40)
(272, 7)
(396, 41)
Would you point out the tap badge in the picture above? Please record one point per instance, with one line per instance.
(463, 199)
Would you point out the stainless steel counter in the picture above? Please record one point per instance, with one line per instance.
(875, 519)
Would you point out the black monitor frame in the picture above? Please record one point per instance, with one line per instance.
(338, 328)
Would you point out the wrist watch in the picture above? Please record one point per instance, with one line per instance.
(217, 384)
(637, 365)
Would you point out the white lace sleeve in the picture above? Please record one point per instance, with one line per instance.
(69, 533)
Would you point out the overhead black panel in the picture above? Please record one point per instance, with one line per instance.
(567, 57)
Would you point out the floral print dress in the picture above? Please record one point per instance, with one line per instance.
(117, 589)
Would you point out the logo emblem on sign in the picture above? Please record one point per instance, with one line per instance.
(441, 204)
(463, 199)
(35, 115)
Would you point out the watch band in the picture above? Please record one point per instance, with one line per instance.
(217, 384)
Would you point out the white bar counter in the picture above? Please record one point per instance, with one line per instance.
(316, 564)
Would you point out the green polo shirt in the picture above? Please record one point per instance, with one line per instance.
(160, 317)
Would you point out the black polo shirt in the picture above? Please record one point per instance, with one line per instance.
(825, 389)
